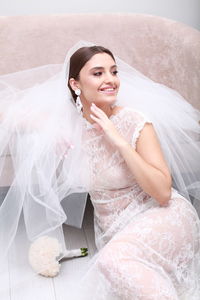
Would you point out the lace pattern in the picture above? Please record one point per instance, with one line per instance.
(146, 251)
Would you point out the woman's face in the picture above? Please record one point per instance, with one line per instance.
(98, 80)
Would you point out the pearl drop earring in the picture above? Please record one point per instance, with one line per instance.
(79, 105)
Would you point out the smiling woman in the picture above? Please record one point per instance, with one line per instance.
(97, 79)
(129, 142)
(131, 191)
(98, 84)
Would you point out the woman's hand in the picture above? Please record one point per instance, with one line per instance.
(104, 124)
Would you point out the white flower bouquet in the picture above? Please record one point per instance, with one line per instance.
(45, 254)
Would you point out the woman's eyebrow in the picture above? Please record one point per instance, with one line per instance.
(100, 68)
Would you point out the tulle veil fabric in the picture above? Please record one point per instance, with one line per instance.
(41, 133)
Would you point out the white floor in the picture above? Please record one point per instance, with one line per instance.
(40, 288)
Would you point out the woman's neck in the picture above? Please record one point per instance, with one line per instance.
(107, 109)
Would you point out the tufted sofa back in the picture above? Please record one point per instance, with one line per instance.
(165, 50)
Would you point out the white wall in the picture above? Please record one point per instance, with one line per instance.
(186, 11)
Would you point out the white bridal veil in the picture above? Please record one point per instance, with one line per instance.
(41, 134)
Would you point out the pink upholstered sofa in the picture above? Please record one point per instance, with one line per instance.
(165, 50)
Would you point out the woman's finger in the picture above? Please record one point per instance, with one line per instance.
(96, 119)
(98, 111)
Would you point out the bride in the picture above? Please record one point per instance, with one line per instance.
(133, 145)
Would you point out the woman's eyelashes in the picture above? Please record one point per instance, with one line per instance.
(115, 72)
(100, 73)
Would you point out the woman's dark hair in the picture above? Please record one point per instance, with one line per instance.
(80, 58)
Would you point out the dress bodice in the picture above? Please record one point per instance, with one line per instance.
(112, 185)
(108, 170)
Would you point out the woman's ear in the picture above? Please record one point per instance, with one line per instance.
(73, 83)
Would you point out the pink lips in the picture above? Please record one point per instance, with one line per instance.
(108, 90)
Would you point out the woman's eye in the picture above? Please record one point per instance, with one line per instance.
(98, 74)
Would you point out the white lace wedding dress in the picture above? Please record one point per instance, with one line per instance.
(145, 251)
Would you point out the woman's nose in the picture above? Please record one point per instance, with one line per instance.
(108, 77)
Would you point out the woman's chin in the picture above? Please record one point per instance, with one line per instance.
(110, 100)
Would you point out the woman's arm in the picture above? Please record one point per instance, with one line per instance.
(148, 165)
(146, 162)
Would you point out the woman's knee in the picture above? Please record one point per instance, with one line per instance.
(134, 274)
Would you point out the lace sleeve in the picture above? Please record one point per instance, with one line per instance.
(139, 121)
